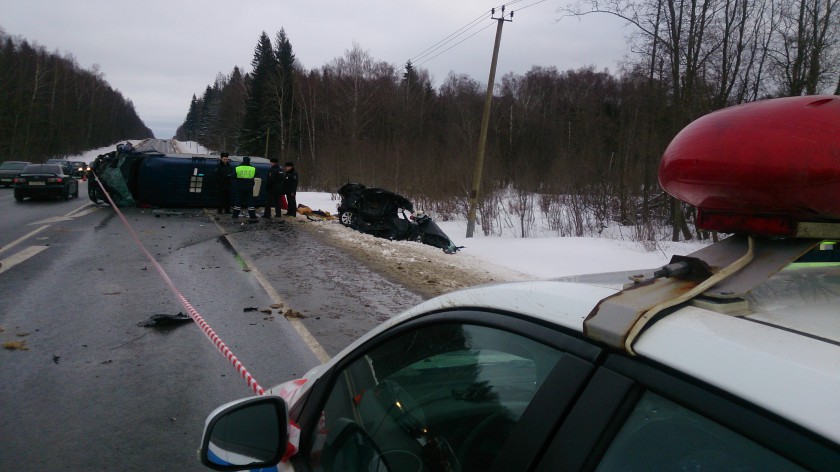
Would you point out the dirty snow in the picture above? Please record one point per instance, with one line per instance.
(488, 259)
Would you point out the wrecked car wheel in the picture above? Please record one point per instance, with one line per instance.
(348, 218)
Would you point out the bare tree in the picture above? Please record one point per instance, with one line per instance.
(804, 50)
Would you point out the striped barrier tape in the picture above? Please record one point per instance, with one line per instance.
(196, 317)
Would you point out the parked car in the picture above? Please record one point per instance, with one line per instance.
(153, 178)
(10, 169)
(388, 215)
(45, 180)
(724, 359)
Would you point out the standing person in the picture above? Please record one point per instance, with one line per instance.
(224, 179)
(289, 188)
(243, 188)
(273, 194)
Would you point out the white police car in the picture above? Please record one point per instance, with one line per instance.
(726, 359)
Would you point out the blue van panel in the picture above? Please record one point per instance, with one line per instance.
(187, 180)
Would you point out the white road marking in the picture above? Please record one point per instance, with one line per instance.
(302, 331)
(21, 256)
(49, 221)
(83, 210)
(25, 236)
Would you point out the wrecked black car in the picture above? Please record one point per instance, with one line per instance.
(388, 215)
(155, 179)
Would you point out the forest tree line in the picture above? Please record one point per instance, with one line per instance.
(51, 107)
(580, 146)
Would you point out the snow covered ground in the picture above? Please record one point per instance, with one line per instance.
(542, 257)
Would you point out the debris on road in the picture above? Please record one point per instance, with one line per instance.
(164, 320)
(293, 314)
(15, 346)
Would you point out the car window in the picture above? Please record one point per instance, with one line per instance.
(438, 398)
(12, 166)
(662, 435)
(42, 169)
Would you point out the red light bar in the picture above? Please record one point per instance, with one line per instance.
(756, 225)
(760, 167)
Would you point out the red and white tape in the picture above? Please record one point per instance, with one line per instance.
(196, 317)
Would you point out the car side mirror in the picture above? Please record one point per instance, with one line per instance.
(246, 434)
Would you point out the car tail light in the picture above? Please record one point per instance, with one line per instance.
(761, 168)
(56, 180)
(19, 180)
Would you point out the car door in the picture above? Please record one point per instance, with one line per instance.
(451, 391)
(636, 416)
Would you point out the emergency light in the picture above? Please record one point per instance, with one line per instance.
(766, 168)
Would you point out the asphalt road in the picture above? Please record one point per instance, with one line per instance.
(85, 388)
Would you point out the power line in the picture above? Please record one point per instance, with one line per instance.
(459, 42)
(446, 43)
(449, 38)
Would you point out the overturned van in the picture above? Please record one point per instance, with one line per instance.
(155, 179)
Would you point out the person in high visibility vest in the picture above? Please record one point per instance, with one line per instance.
(243, 188)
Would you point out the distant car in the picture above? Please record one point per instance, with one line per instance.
(64, 163)
(9, 170)
(45, 180)
(78, 168)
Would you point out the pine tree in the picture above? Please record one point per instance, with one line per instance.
(253, 134)
(282, 99)
(232, 109)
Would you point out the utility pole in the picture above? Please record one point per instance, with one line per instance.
(485, 122)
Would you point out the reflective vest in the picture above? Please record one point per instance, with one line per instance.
(245, 172)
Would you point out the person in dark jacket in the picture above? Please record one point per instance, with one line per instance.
(289, 188)
(224, 179)
(273, 194)
(243, 188)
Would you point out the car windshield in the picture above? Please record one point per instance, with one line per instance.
(12, 165)
(42, 169)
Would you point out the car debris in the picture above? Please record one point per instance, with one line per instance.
(388, 215)
(164, 320)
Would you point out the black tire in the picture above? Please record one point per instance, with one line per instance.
(348, 218)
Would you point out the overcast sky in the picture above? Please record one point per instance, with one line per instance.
(159, 53)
